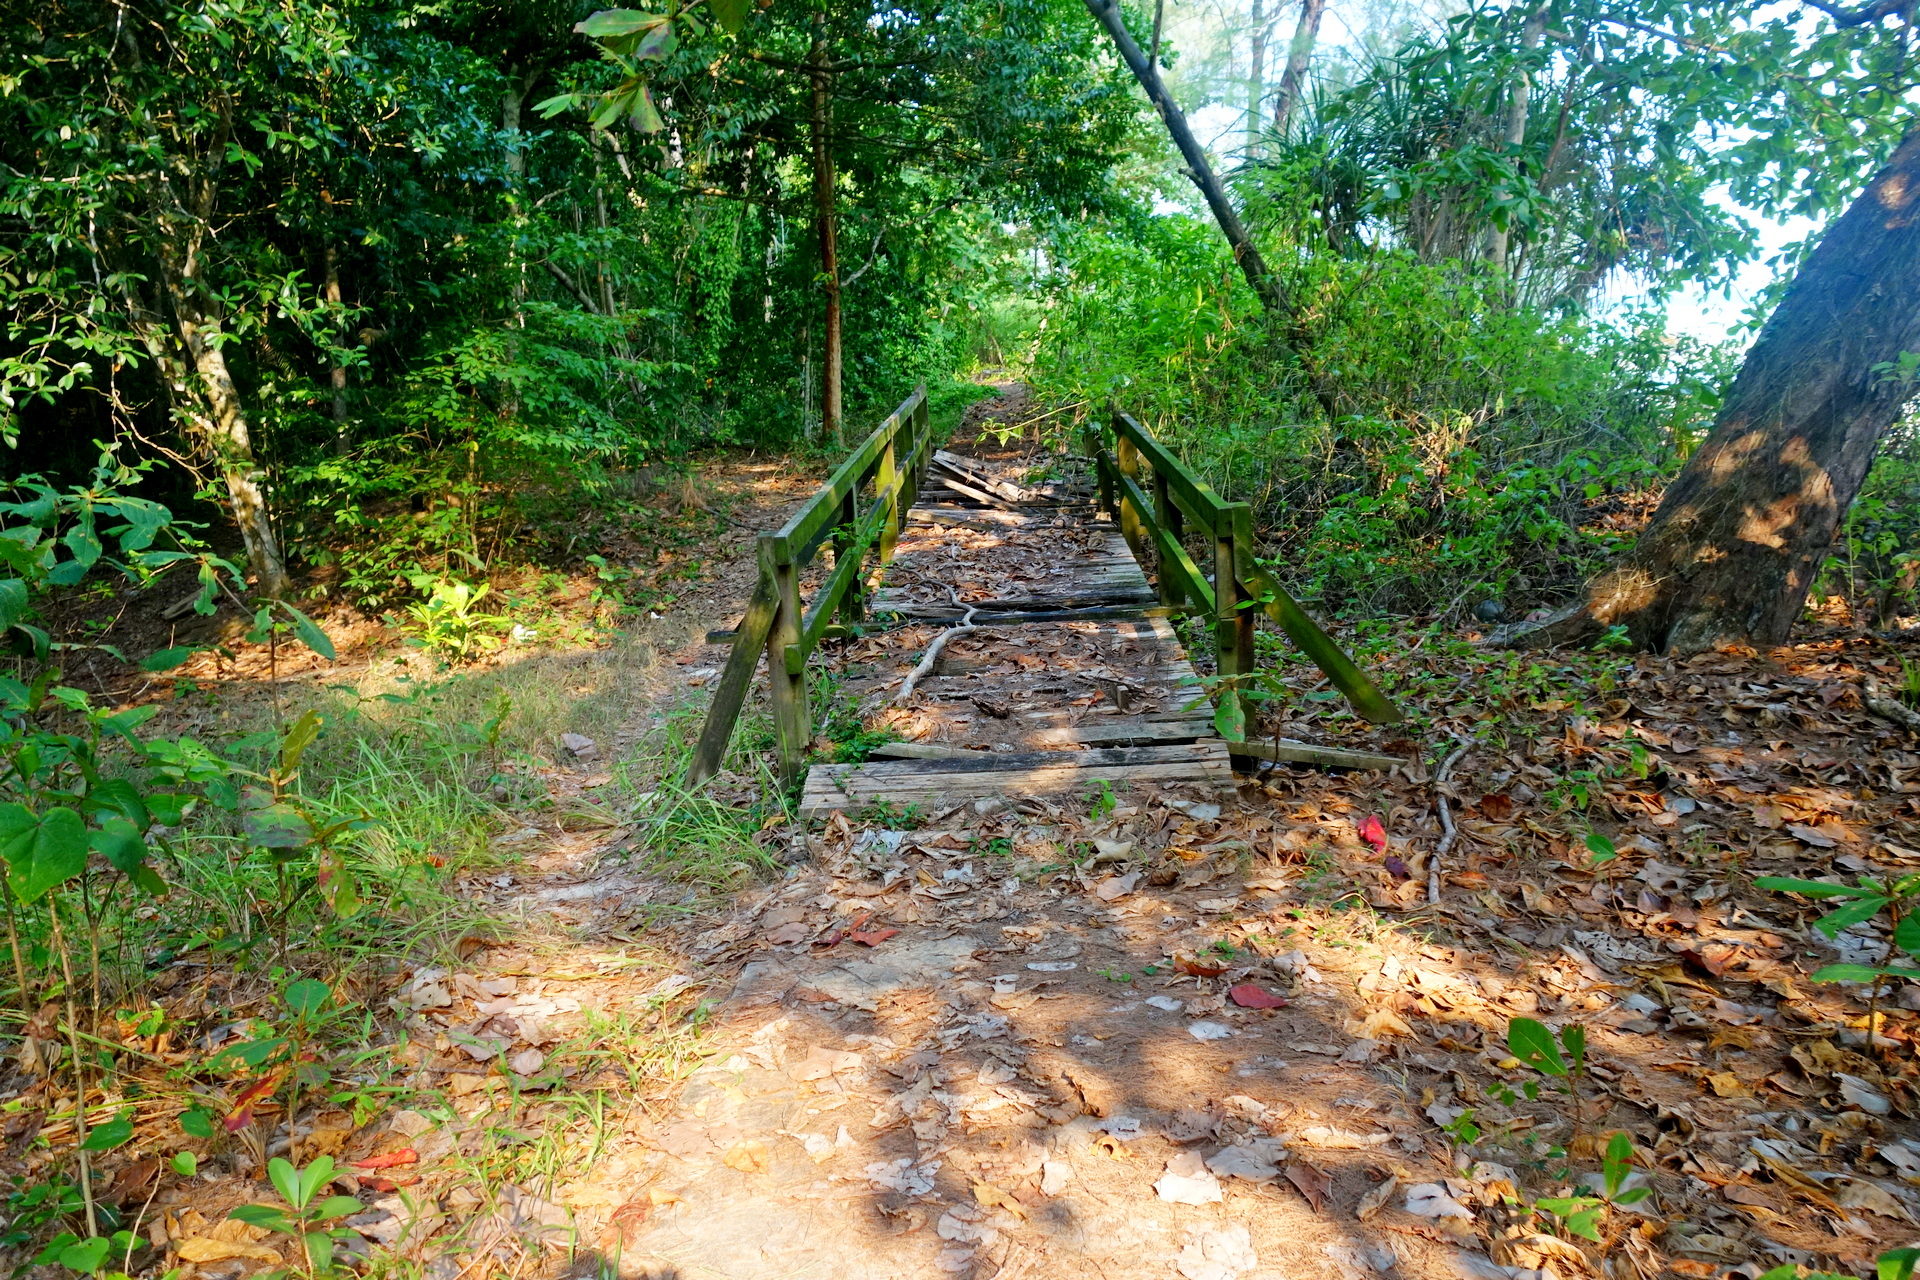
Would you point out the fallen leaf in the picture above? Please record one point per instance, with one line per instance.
(988, 1196)
(870, 937)
(1374, 832)
(1188, 1181)
(1430, 1200)
(1310, 1181)
(240, 1115)
(1250, 995)
(1196, 968)
(748, 1156)
(1376, 1200)
(389, 1160)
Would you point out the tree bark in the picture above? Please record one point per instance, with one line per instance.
(1740, 533)
(821, 122)
(1293, 80)
(336, 368)
(1519, 102)
(1252, 265)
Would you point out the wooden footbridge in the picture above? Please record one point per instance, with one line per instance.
(1006, 630)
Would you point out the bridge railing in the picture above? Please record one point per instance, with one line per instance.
(858, 512)
(1158, 504)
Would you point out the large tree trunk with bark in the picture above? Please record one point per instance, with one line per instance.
(831, 404)
(1294, 79)
(1199, 168)
(1734, 546)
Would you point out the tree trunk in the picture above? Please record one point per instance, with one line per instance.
(830, 401)
(1740, 533)
(1519, 101)
(336, 368)
(1299, 53)
(1252, 265)
(1257, 76)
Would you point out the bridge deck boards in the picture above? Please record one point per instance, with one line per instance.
(1042, 707)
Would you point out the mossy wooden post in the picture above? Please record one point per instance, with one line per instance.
(887, 482)
(922, 438)
(1168, 516)
(1092, 443)
(846, 542)
(1232, 623)
(786, 657)
(1131, 526)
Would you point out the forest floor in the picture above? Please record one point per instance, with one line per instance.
(1155, 1035)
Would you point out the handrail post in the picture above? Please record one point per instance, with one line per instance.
(846, 542)
(1094, 446)
(886, 480)
(793, 726)
(1169, 518)
(1233, 623)
(1131, 527)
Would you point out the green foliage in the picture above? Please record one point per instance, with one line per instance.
(1472, 449)
(303, 1214)
(1895, 897)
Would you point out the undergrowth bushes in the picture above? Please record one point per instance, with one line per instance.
(1473, 449)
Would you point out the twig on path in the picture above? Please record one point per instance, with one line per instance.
(1447, 831)
(933, 650)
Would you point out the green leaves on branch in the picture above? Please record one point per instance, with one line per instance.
(1897, 897)
(630, 38)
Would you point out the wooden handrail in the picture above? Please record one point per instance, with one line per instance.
(1238, 589)
(777, 623)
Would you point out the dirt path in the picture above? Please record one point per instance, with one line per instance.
(1146, 1035)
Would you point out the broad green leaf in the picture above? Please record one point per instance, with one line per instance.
(1533, 1044)
(307, 997)
(314, 1177)
(272, 1217)
(88, 1256)
(1835, 923)
(13, 602)
(116, 1132)
(1907, 936)
(300, 736)
(120, 843)
(309, 632)
(617, 22)
(1600, 849)
(286, 1180)
(184, 1163)
(47, 855)
(1862, 973)
(117, 795)
(1574, 1040)
(1618, 1163)
(1898, 1264)
(730, 14)
(167, 659)
(196, 1122)
(273, 824)
(334, 1207)
(1813, 888)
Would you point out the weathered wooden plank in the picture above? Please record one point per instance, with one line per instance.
(924, 782)
(1290, 752)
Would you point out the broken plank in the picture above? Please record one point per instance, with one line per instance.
(1287, 751)
(832, 787)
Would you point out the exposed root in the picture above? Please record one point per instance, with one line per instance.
(1447, 831)
(1874, 694)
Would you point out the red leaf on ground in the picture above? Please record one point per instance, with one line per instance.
(1374, 832)
(388, 1160)
(1496, 807)
(1195, 969)
(870, 937)
(389, 1184)
(1249, 995)
(241, 1114)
